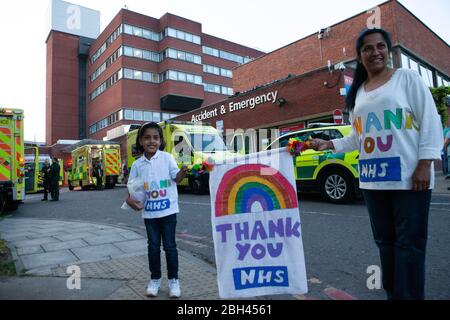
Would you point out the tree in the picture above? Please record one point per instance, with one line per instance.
(440, 97)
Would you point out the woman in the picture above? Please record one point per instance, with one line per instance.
(398, 133)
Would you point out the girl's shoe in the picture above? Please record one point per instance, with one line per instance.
(174, 288)
(153, 287)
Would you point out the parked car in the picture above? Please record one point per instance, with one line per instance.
(334, 175)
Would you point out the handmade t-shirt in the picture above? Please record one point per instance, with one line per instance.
(394, 126)
(158, 178)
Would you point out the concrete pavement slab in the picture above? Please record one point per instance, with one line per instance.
(96, 252)
(78, 243)
(131, 235)
(47, 259)
(29, 250)
(110, 238)
(73, 236)
(132, 245)
(34, 242)
(50, 288)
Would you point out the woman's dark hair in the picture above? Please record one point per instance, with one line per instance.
(141, 131)
(361, 72)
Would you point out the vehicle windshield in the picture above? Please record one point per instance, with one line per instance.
(207, 142)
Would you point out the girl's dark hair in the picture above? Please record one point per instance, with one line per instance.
(140, 134)
(361, 72)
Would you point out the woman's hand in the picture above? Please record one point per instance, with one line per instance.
(421, 176)
(319, 144)
(136, 205)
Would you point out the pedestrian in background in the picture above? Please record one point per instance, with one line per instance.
(160, 175)
(98, 174)
(46, 179)
(398, 132)
(54, 179)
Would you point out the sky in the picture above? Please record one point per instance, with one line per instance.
(261, 24)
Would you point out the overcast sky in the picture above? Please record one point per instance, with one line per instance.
(262, 24)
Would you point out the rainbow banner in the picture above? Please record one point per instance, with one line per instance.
(256, 226)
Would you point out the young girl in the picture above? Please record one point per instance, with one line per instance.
(398, 133)
(160, 174)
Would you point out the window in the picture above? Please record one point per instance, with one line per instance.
(137, 53)
(138, 115)
(137, 32)
(93, 129)
(147, 76)
(405, 61)
(148, 116)
(128, 51)
(427, 76)
(128, 114)
(165, 116)
(156, 116)
(414, 65)
(181, 76)
(128, 29)
(137, 75)
(128, 73)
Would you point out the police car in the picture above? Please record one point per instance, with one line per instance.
(334, 175)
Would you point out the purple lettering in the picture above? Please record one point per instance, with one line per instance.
(387, 146)
(223, 228)
(243, 250)
(258, 228)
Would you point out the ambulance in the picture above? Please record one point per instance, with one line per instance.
(189, 144)
(12, 162)
(334, 175)
(84, 159)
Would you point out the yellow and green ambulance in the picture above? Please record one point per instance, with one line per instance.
(190, 144)
(334, 175)
(12, 162)
(84, 158)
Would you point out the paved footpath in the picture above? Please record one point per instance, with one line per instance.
(113, 262)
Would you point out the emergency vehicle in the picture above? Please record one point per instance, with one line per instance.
(189, 144)
(34, 162)
(84, 159)
(12, 162)
(334, 175)
(32, 169)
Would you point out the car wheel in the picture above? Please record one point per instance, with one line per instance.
(337, 186)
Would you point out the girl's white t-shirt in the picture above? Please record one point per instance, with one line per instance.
(394, 126)
(159, 187)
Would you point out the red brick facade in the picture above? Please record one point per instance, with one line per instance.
(61, 87)
(311, 53)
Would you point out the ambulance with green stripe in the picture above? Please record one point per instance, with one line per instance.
(12, 162)
(189, 143)
(86, 156)
(334, 175)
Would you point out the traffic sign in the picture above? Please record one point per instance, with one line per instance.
(338, 116)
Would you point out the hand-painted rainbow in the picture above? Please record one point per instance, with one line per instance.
(244, 185)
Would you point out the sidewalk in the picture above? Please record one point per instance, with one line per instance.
(113, 263)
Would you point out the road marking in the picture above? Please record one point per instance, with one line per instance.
(322, 213)
(195, 203)
(337, 294)
(184, 234)
(440, 204)
(195, 244)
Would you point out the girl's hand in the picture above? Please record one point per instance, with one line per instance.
(319, 144)
(421, 176)
(181, 174)
(136, 205)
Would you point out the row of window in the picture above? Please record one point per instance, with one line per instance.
(215, 88)
(186, 36)
(133, 74)
(181, 55)
(225, 55)
(106, 64)
(141, 54)
(168, 32)
(141, 32)
(181, 76)
(105, 85)
(130, 114)
(217, 71)
(426, 73)
(106, 44)
(140, 75)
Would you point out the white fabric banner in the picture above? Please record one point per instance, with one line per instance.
(256, 226)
